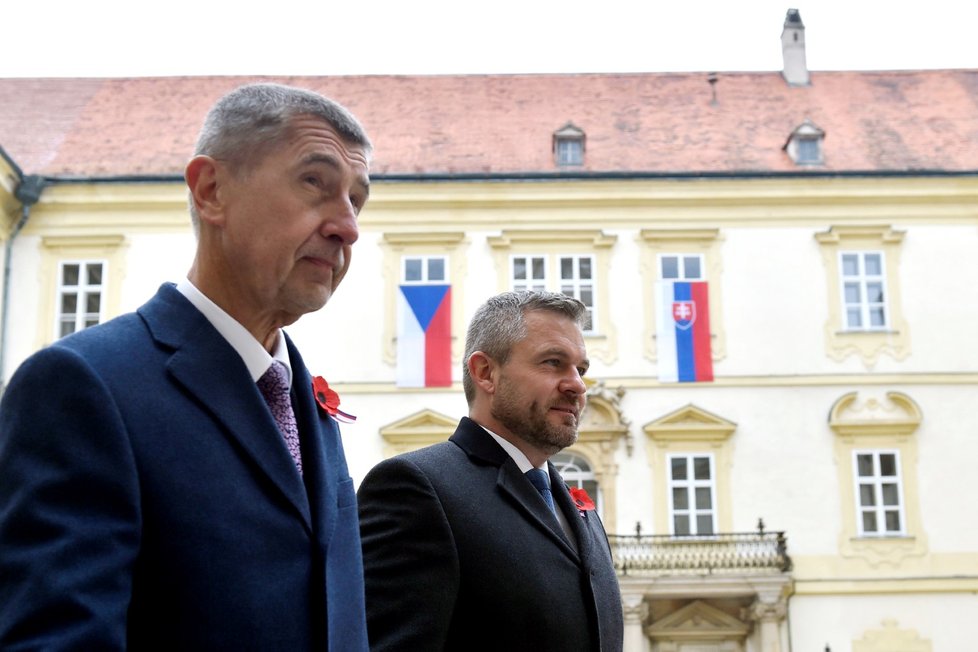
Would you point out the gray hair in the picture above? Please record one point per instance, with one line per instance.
(244, 124)
(500, 323)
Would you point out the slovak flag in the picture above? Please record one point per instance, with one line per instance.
(424, 336)
(683, 332)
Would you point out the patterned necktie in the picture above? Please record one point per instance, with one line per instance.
(274, 386)
(538, 478)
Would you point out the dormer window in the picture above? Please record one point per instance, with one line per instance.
(808, 151)
(804, 145)
(568, 146)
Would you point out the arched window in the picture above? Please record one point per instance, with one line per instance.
(577, 472)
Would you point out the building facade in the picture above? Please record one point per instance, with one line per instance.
(806, 488)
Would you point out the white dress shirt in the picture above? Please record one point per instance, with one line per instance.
(524, 464)
(255, 357)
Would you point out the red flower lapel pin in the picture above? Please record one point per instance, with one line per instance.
(329, 400)
(581, 500)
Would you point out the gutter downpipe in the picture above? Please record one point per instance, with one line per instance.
(27, 192)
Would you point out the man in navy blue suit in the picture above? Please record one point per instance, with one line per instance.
(154, 494)
(476, 543)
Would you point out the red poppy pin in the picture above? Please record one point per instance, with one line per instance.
(581, 500)
(329, 400)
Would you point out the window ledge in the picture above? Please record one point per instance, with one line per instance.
(890, 538)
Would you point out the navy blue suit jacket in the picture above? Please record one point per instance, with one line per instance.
(461, 553)
(147, 499)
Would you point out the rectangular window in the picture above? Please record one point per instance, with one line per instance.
(570, 151)
(863, 290)
(879, 494)
(808, 150)
(529, 273)
(577, 280)
(681, 267)
(424, 269)
(79, 295)
(692, 495)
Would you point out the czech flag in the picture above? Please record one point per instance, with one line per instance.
(683, 333)
(424, 336)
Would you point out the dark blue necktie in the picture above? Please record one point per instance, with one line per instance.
(538, 478)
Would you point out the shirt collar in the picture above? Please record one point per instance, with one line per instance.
(518, 456)
(254, 355)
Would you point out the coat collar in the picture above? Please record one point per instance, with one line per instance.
(482, 448)
(207, 367)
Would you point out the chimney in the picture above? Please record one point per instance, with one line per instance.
(793, 49)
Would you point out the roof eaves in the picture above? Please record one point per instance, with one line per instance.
(645, 175)
(121, 178)
(561, 176)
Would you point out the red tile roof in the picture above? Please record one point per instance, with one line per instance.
(503, 124)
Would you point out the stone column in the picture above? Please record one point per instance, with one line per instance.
(635, 611)
(769, 614)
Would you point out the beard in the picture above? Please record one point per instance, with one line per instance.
(531, 423)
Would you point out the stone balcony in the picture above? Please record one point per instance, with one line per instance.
(717, 591)
(734, 553)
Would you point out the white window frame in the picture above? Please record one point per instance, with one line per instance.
(863, 282)
(425, 261)
(531, 282)
(577, 284)
(691, 484)
(570, 152)
(395, 246)
(809, 151)
(681, 262)
(553, 281)
(550, 244)
(81, 318)
(876, 481)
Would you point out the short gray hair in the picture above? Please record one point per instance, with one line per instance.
(500, 323)
(248, 121)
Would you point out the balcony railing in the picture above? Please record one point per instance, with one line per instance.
(750, 552)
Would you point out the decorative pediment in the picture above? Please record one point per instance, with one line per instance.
(860, 234)
(600, 413)
(700, 621)
(535, 237)
(416, 431)
(891, 638)
(894, 414)
(690, 423)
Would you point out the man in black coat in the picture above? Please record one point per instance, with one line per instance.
(462, 550)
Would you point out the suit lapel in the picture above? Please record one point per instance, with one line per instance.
(512, 482)
(211, 370)
(477, 443)
(320, 442)
(580, 522)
